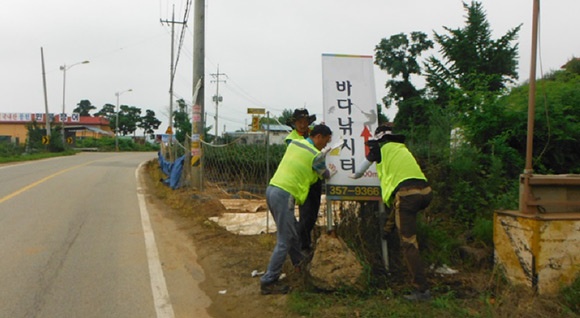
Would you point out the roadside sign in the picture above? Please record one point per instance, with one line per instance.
(45, 140)
(255, 123)
(256, 111)
(350, 111)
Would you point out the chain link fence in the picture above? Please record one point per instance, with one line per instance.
(244, 171)
(241, 169)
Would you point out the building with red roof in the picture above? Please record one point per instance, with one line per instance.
(13, 126)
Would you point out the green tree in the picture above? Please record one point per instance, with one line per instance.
(465, 85)
(129, 117)
(108, 111)
(462, 91)
(181, 122)
(84, 107)
(471, 58)
(397, 56)
(573, 65)
(149, 123)
(472, 74)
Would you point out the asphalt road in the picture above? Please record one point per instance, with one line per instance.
(78, 239)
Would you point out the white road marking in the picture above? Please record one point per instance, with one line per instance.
(161, 298)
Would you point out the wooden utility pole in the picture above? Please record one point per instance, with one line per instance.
(528, 171)
(47, 120)
(198, 121)
(171, 77)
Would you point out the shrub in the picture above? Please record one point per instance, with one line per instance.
(571, 294)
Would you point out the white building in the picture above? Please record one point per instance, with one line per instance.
(277, 135)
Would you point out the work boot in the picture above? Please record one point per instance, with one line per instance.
(274, 288)
(418, 296)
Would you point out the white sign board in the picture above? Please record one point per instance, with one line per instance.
(15, 117)
(349, 106)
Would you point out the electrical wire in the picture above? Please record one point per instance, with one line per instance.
(181, 38)
(545, 97)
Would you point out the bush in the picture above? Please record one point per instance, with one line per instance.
(483, 231)
(571, 294)
(8, 149)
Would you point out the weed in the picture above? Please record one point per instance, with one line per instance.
(483, 231)
(440, 244)
(571, 295)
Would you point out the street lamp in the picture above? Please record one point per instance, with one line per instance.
(64, 68)
(117, 118)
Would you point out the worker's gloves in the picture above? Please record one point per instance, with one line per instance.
(331, 171)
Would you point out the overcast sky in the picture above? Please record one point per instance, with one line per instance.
(269, 50)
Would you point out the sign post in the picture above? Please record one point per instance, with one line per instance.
(349, 109)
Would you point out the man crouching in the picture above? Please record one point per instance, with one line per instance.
(302, 165)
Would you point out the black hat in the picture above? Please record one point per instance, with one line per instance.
(300, 113)
(385, 134)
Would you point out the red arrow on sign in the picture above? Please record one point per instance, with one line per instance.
(366, 134)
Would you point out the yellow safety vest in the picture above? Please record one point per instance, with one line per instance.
(295, 173)
(293, 135)
(397, 165)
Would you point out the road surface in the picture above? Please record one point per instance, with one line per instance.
(78, 239)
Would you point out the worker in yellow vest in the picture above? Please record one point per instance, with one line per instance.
(300, 122)
(405, 191)
(303, 164)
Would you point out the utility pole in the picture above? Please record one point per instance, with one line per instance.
(198, 121)
(526, 195)
(47, 120)
(217, 98)
(171, 77)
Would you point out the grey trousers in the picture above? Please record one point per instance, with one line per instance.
(281, 205)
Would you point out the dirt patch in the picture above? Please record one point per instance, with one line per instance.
(228, 261)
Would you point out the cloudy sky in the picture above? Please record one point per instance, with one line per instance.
(268, 50)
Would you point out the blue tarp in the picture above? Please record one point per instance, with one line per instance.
(171, 169)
